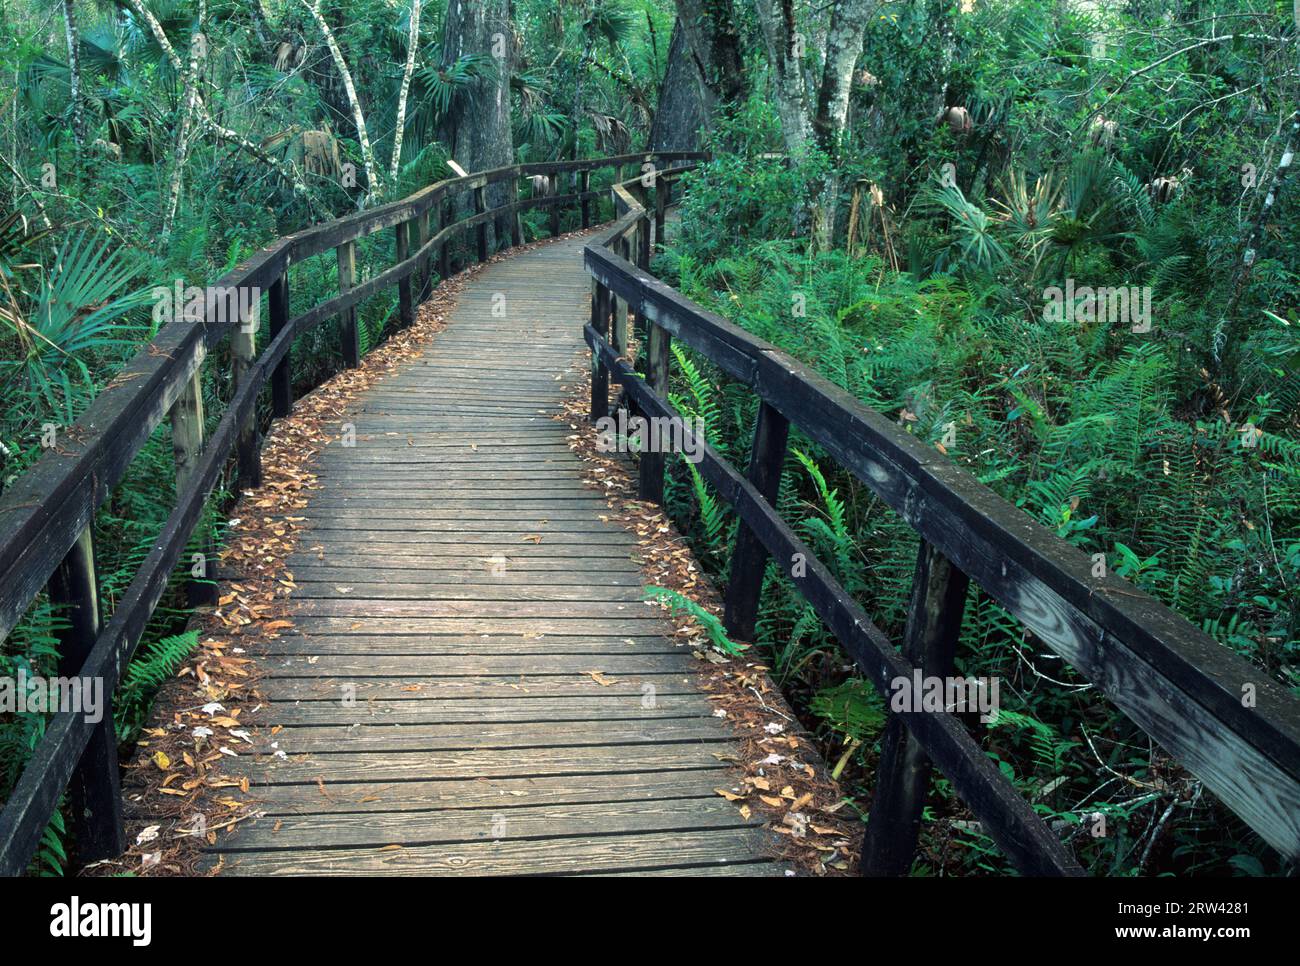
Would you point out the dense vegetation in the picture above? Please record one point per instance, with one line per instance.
(895, 192)
(1174, 452)
(106, 202)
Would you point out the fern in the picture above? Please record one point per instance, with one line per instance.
(854, 709)
(1047, 747)
(713, 515)
(702, 402)
(151, 666)
(680, 604)
(831, 530)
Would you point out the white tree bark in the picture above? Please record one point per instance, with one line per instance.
(374, 182)
(843, 47)
(803, 123)
(412, 49)
(288, 172)
(785, 45)
(74, 73)
(191, 94)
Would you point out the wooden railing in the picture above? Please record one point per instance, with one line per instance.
(1225, 720)
(46, 516)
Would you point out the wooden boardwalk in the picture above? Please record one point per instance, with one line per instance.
(460, 600)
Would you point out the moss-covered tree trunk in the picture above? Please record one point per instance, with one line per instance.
(680, 113)
(477, 129)
(711, 40)
(822, 122)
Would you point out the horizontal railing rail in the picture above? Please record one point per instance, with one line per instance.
(46, 516)
(1227, 721)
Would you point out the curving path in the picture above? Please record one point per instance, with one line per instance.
(460, 602)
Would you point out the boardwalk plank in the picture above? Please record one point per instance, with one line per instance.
(473, 683)
(603, 854)
(638, 689)
(430, 764)
(457, 827)
(453, 737)
(459, 666)
(331, 798)
(505, 706)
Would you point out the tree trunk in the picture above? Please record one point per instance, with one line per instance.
(801, 123)
(74, 73)
(477, 130)
(190, 96)
(680, 113)
(712, 42)
(784, 43)
(374, 183)
(1235, 331)
(843, 47)
(412, 49)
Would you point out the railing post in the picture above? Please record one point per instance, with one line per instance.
(444, 249)
(661, 209)
(405, 307)
(643, 240)
(903, 775)
(426, 263)
(749, 556)
(348, 336)
(516, 221)
(480, 207)
(599, 374)
(619, 341)
(584, 186)
(282, 375)
(94, 794)
(248, 447)
(555, 208)
(187, 448)
(658, 358)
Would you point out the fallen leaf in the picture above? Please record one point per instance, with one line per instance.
(147, 834)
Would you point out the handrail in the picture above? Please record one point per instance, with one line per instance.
(46, 515)
(1224, 719)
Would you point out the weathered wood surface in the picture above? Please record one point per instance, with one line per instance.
(459, 595)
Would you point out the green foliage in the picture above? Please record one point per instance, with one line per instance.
(680, 604)
(853, 709)
(153, 664)
(1166, 452)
